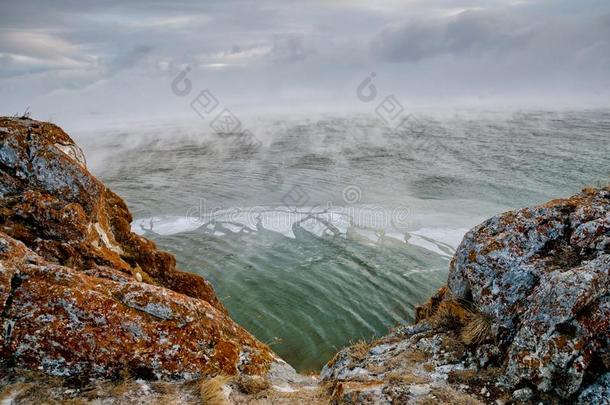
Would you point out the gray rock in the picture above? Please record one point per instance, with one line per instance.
(523, 394)
(542, 275)
(597, 393)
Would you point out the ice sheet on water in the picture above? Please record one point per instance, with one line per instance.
(337, 222)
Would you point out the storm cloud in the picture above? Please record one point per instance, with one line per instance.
(66, 58)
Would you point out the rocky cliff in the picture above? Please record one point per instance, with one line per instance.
(524, 317)
(80, 294)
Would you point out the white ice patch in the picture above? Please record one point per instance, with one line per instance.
(443, 241)
(163, 226)
(421, 242)
(451, 237)
(365, 224)
(232, 227)
(144, 387)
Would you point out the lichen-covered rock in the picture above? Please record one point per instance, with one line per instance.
(411, 365)
(99, 321)
(542, 275)
(80, 294)
(597, 393)
(525, 317)
(50, 202)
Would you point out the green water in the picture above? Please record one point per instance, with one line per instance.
(335, 228)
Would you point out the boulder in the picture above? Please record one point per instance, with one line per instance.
(80, 294)
(53, 204)
(542, 275)
(101, 321)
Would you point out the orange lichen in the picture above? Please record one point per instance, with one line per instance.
(99, 298)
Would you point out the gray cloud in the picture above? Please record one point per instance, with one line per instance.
(128, 59)
(498, 33)
(113, 56)
(288, 48)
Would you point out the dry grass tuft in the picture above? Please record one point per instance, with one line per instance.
(474, 327)
(359, 349)
(333, 361)
(451, 314)
(477, 330)
(448, 395)
(167, 400)
(38, 389)
(427, 309)
(475, 378)
(375, 368)
(166, 393)
(212, 392)
(252, 384)
(163, 388)
(394, 377)
(122, 387)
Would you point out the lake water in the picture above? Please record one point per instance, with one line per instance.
(327, 230)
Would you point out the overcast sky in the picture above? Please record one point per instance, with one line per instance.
(117, 59)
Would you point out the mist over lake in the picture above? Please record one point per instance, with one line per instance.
(331, 229)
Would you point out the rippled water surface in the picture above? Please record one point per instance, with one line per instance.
(333, 229)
